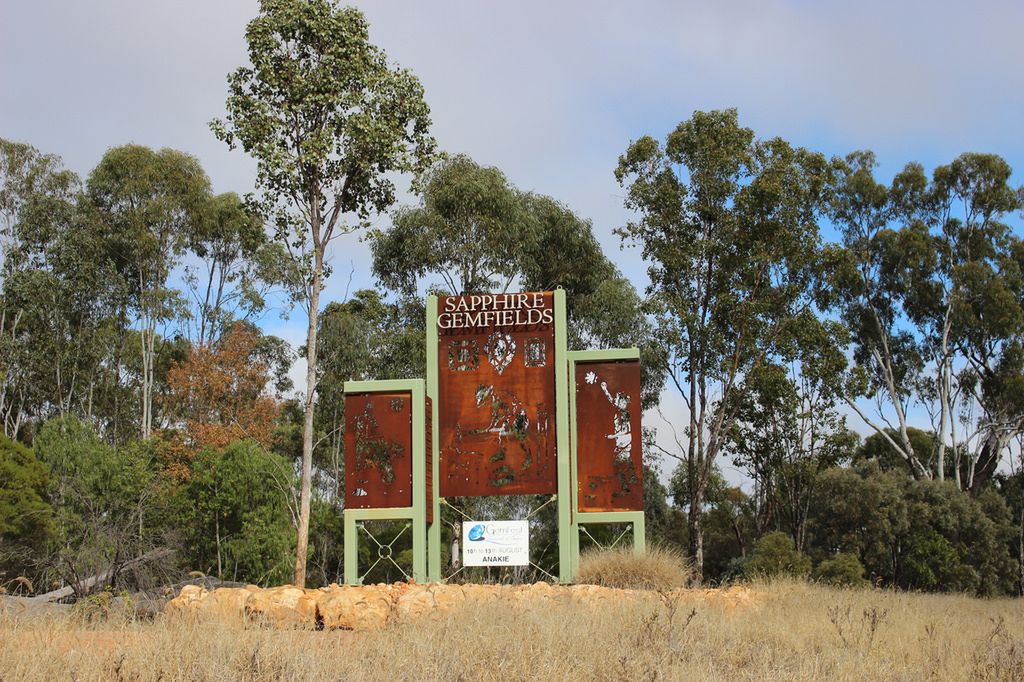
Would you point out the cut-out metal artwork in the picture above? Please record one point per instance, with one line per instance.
(535, 352)
(378, 440)
(500, 349)
(609, 453)
(429, 435)
(495, 433)
(463, 355)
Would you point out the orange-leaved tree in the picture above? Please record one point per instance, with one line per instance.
(219, 394)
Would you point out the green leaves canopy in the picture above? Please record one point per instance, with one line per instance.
(325, 116)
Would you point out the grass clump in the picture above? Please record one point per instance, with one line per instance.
(656, 569)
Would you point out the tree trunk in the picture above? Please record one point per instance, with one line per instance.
(1020, 552)
(455, 548)
(696, 542)
(984, 466)
(302, 542)
(695, 517)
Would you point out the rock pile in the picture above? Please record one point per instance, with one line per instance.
(372, 607)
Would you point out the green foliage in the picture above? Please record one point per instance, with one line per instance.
(774, 555)
(843, 570)
(477, 233)
(326, 118)
(728, 224)
(329, 122)
(327, 551)
(471, 229)
(235, 514)
(928, 281)
(877, 447)
(103, 499)
(923, 535)
(144, 205)
(239, 264)
(25, 514)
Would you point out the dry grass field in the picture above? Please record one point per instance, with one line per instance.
(779, 631)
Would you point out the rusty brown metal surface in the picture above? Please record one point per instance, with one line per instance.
(496, 395)
(378, 450)
(430, 458)
(609, 452)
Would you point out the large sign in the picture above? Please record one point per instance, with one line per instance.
(496, 394)
(608, 437)
(496, 543)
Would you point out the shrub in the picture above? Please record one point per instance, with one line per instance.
(775, 554)
(844, 569)
(658, 568)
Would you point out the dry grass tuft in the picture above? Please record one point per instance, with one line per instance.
(658, 569)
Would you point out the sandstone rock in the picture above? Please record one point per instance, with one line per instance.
(187, 602)
(284, 607)
(226, 603)
(448, 597)
(371, 607)
(416, 602)
(354, 608)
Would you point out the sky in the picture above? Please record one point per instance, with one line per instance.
(550, 92)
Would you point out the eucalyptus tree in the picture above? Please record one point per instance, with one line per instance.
(786, 432)
(866, 277)
(236, 267)
(26, 172)
(473, 231)
(36, 209)
(60, 298)
(972, 305)
(145, 206)
(328, 121)
(728, 226)
(469, 230)
(928, 281)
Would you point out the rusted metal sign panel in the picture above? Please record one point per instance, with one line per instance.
(609, 453)
(496, 394)
(378, 450)
(430, 458)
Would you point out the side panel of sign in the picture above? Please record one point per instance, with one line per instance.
(496, 394)
(496, 543)
(608, 436)
(378, 450)
(429, 435)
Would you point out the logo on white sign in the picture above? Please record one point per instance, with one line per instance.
(496, 543)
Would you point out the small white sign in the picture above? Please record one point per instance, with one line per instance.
(496, 543)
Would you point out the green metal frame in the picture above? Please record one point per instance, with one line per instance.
(417, 513)
(634, 518)
(434, 532)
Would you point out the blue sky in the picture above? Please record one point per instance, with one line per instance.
(550, 92)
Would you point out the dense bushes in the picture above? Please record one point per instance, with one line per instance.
(775, 554)
(870, 523)
(843, 570)
(72, 507)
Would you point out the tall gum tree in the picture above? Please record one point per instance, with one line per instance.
(328, 121)
(728, 227)
(927, 279)
(865, 276)
(145, 205)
